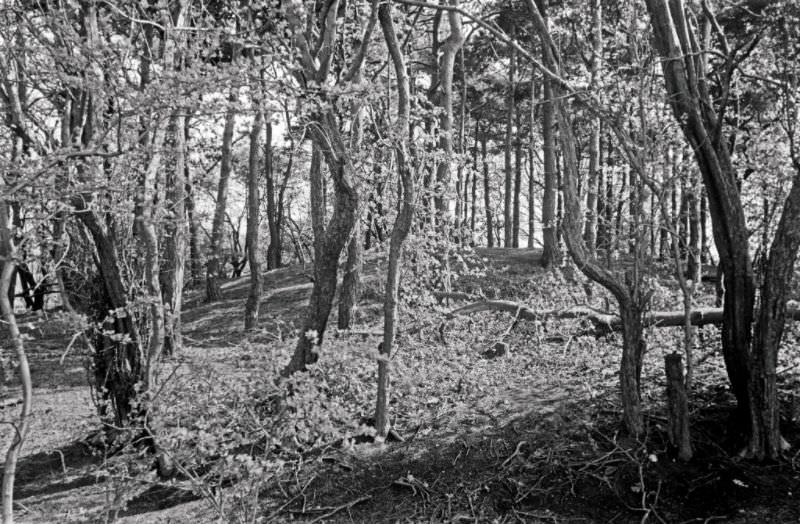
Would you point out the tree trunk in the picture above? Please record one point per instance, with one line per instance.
(487, 196)
(448, 49)
(273, 220)
(403, 222)
(633, 347)
(214, 262)
(550, 255)
(628, 293)
(329, 142)
(253, 200)
(195, 262)
(677, 407)
(172, 275)
(21, 425)
(532, 170)
(152, 141)
(685, 71)
(590, 232)
(508, 237)
(693, 265)
(351, 281)
(474, 195)
(517, 185)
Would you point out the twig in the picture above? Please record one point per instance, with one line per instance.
(516, 453)
(332, 510)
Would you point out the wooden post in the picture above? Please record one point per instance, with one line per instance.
(677, 406)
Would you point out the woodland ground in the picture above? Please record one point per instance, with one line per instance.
(532, 435)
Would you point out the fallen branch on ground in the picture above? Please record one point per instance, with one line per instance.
(603, 321)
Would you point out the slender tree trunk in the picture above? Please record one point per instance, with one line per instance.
(214, 262)
(705, 248)
(508, 237)
(449, 49)
(487, 196)
(21, 425)
(550, 255)
(693, 266)
(403, 222)
(531, 202)
(461, 183)
(593, 182)
(175, 244)
(317, 200)
(517, 185)
(253, 200)
(532, 169)
(474, 195)
(273, 220)
(152, 141)
(195, 262)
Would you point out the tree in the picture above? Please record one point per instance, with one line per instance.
(214, 262)
(316, 56)
(253, 201)
(7, 265)
(750, 341)
(404, 219)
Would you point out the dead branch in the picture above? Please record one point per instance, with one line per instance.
(603, 321)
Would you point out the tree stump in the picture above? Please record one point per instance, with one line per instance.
(677, 407)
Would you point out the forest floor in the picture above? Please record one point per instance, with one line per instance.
(529, 435)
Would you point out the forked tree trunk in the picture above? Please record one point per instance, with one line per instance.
(214, 262)
(751, 368)
(328, 248)
(253, 203)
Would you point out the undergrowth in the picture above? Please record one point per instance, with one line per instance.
(532, 434)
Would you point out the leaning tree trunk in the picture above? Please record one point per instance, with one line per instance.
(628, 294)
(254, 289)
(214, 262)
(336, 235)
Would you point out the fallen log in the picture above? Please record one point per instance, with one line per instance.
(604, 321)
